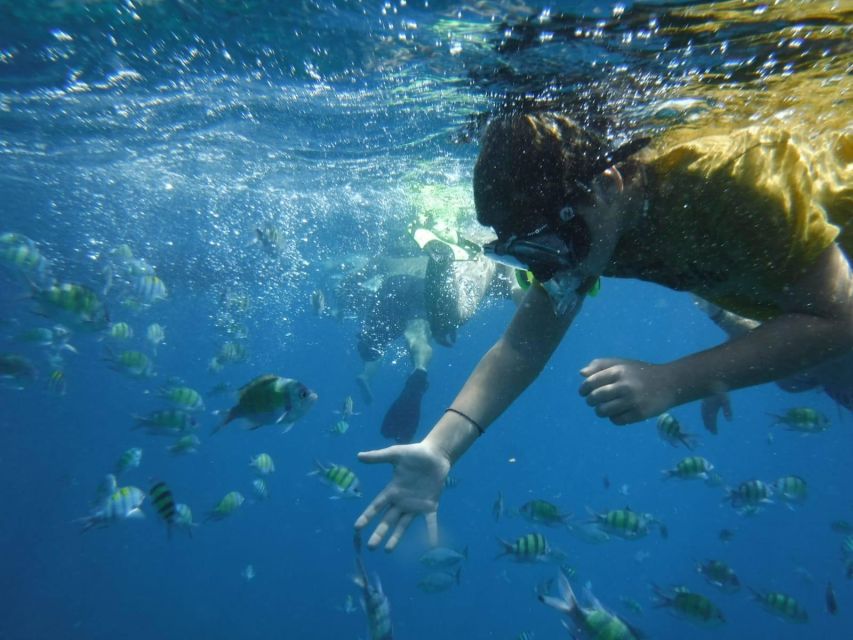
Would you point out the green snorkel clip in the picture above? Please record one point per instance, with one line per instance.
(525, 278)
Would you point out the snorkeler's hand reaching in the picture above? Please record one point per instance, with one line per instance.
(419, 473)
(627, 391)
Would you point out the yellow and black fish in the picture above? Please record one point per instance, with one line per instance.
(163, 502)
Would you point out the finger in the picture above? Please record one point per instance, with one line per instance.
(597, 365)
(629, 417)
(373, 508)
(402, 525)
(709, 414)
(390, 519)
(603, 394)
(389, 454)
(432, 527)
(727, 406)
(599, 379)
(613, 408)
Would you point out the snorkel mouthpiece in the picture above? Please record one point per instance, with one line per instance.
(542, 252)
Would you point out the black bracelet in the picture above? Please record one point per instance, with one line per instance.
(477, 426)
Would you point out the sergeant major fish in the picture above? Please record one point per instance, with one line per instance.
(532, 547)
(670, 431)
(781, 605)
(271, 399)
(543, 512)
(225, 507)
(373, 601)
(74, 304)
(340, 478)
(802, 419)
(691, 606)
(590, 623)
(184, 518)
(123, 504)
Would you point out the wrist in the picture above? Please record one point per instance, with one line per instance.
(688, 381)
(451, 436)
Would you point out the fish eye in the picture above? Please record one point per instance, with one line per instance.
(303, 393)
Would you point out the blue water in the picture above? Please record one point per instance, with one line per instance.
(178, 128)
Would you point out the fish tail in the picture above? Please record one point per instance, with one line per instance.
(663, 600)
(507, 548)
(689, 441)
(219, 427)
(319, 468)
(594, 519)
(567, 602)
(667, 474)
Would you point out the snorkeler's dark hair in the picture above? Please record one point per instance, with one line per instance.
(533, 165)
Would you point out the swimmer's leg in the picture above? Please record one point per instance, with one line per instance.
(401, 421)
(365, 379)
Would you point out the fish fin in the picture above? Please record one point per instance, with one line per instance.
(688, 441)
(135, 514)
(507, 548)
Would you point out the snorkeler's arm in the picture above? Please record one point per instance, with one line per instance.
(817, 325)
(503, 373)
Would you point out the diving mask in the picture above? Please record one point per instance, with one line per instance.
(541, 251)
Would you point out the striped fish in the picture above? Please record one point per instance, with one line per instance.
(748, 496)
(689, 468)
(669, 429)
(531, 547)
(340, 478)
(624, 523)
(802, 419)
(375, 604)
(228, 505)
(692, 606)
(185, 444)
(184, 518)
(791, 489)
(74, 303)
(21, 255)
(590, 623)
(544, 512)
(123, 504)
(167, 422)
(261, 489)
(185, 398)
(781, 605)
(149, 289)
(133, 363)
(130, 459)
(155, 334)
(120, 331)
(720, 575)
(164, 503)
(263, 464)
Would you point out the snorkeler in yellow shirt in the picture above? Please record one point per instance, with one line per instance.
(747, 220)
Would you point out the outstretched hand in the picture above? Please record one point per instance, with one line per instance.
(627, 391)
(419, 473)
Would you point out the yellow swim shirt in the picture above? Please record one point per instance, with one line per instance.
(735, 218)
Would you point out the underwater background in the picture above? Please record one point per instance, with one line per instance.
(179, 128)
